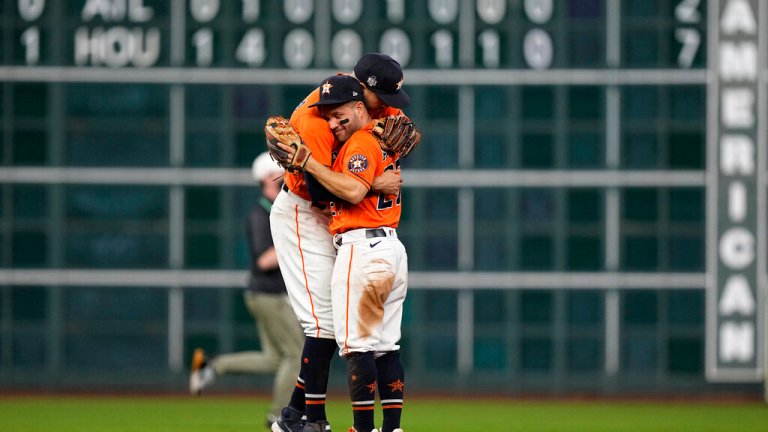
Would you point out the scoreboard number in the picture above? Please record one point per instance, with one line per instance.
(252, 50)
(687, 13)
(131, 33)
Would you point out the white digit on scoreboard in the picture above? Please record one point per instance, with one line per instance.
(347, 11)
(252, 50)
(490, 42)
(204, 11)
(203, 43)
(251, 10)
(298, 11)
(442, 40)
(537, 44)
(31, 10)
(346, 48)
(395, 43)
(687, 13)
(298, 49)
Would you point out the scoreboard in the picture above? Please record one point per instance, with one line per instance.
(301, 34)
(610, 145)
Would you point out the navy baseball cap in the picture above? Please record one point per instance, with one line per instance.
(339, 89)
(383, 75)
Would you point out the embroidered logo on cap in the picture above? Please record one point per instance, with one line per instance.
(372, 81)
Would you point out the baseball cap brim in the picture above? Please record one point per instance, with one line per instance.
(398, 100)
(333, 102)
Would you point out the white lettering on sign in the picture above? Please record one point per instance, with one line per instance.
(737, 341)
(737, 201)
(738, 107)
(117, 46)
(738, 17)
(117, 10)
(737, 155)
(738, 74)
(737, 297)
(738, 61)
(737, 248)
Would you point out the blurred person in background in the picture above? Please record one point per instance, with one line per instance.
(267, 301)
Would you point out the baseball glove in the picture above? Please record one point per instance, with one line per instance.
(396, 134)
(285, 145)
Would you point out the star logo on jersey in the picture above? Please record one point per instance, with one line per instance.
(400, 84)
(372, 81)
(357, 163)
(326, 88)
(372, 387)
(396, 386)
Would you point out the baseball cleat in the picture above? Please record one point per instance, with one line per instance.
(318, 426)
(290, 420)
(202, 375)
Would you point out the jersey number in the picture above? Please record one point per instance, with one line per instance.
(385, 203)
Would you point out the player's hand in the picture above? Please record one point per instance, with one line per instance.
(396, 134)
(389, 182)
(285, 145)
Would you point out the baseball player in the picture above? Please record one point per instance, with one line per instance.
(369, 281)
(300, 218)
(267, 301)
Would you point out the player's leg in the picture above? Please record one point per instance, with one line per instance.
(362, 283)
(391, 375)
(281, 334)
(391, 383)
(306, 255)
(261, 307)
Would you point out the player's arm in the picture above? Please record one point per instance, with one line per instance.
(339, 184)
(316, 190)
(389, 182)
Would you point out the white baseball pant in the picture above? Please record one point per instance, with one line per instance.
(369, 284)
(306, 256)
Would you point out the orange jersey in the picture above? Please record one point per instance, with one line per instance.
(316, 134)
(362, 158)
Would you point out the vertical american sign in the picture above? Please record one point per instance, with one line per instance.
(735, 203)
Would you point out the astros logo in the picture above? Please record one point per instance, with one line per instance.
(326, 88)
(399, 84)
(357, 163)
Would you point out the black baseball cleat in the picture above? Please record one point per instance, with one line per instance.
(290, 420)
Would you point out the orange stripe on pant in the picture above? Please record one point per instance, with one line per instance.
(304, 272)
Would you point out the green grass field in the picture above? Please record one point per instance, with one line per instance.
(243, 413)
